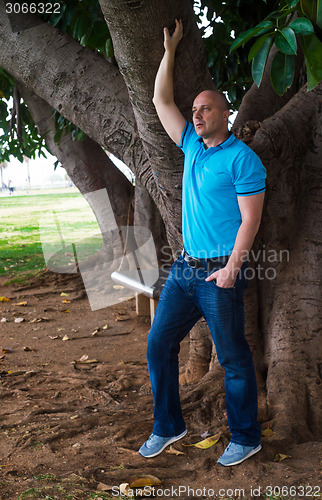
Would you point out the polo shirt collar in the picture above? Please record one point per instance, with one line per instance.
(222, 145)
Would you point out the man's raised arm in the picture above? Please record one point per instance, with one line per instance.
(163, 99)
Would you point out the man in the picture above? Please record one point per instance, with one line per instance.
(223, 192)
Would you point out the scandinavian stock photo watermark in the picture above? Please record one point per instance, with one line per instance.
(177, 491)
(116, 261)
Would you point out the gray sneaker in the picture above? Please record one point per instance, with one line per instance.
(156, 444)
(236, 453)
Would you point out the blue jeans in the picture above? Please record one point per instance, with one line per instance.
(185, 298)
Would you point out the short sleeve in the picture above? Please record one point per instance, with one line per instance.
(187, 134)
(250, 174)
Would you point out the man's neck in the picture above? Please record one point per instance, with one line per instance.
(212, 142)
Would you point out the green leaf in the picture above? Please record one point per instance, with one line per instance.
(313, 10)
(282, 72)
(285, 41)
(292, 3)
(311, 81)
(109, 48)
(259, 62)
(312, 48)
(81, 26)
(81, 136)
(302, 26)
(58, 135)
(247, 35)
(257, 46)
(84, 39)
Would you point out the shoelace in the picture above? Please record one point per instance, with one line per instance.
(152, 440)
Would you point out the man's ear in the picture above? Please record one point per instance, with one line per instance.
(226, 114)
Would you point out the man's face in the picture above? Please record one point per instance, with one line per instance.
(209, 116)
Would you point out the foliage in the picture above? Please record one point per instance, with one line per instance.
(10, 144)
(280, 27)
(231, 70)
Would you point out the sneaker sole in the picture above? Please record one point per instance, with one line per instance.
(173, 440)
(250, 454)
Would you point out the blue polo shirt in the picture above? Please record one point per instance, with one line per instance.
(212, 180)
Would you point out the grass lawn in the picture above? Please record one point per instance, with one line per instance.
(35, 227)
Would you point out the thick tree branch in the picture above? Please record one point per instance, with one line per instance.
(86, 89)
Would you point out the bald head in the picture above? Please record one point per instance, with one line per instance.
(217, 97)
(210, 116)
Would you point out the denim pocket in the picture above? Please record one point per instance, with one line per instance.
(221, 287)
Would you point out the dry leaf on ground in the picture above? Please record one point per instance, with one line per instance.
(267, 432)
(19, 320)
(172, 451)
(103, 487)
(147, 480)
(280, 456)
(4, 299)
(206, 443)
(23, 303)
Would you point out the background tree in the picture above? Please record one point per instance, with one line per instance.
(95, 65)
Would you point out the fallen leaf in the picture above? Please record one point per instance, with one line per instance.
(118, 318)
(65, 338)
(63, 294)
(6, 350)
(19, 320)
(4, 299)
(103, 487)
(267, 432)
(125, 490)
(279, 457)
(106, 327)
(54, 338)
(39, 320)
(2, 357)
(206, 443)
(27, 349)
(65, 311)
(24, 303)
(86, 361)
(73, 417)
(172, 451)
(65, 301)
(147, 480)
(94, 333)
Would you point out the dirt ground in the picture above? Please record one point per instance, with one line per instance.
(71, 429)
